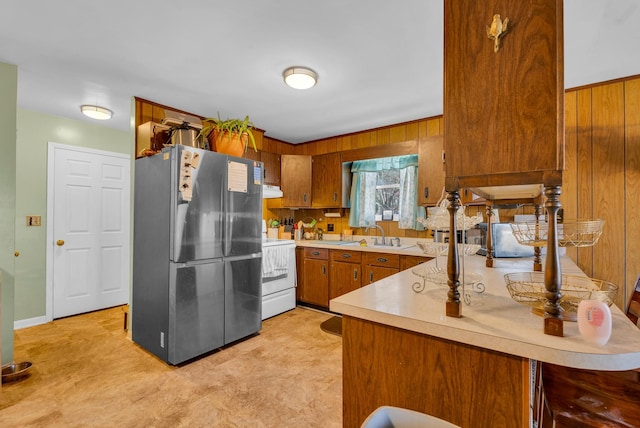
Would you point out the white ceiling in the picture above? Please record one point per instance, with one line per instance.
(379, 62)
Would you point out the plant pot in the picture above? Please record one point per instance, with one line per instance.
(233, 145)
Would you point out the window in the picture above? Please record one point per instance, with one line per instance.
(387, 194)
(385, 189)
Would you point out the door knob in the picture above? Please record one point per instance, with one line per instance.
(16, 254)
(60, 242)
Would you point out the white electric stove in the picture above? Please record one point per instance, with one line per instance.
(279, 285)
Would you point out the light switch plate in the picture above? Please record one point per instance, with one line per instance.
(34, 220)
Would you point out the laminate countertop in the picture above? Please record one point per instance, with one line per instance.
(408, 246)
(492, 320)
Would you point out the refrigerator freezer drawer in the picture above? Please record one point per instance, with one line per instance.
(243, 300)
(196, 310)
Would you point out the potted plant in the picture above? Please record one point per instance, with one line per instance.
(229, 136)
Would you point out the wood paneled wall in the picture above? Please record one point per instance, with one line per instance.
(408, 131)
(602, 177)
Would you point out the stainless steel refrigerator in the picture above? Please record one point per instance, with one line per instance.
(197, 252)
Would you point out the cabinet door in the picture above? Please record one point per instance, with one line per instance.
(316, 282)
(271, 163)
(376, 273)
(295, 178)
(343, 278)
(430, 170)
(327, 181)
(503, 107)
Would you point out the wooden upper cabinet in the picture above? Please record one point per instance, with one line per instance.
(503, 110)
(295, 177)
(271, 163)
(327, 181)
(430, 170)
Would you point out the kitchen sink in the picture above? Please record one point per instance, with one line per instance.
(357, 244)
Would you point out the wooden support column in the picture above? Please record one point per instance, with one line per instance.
(453, 308)
(489, 261)
(537, 251)
(553, 324)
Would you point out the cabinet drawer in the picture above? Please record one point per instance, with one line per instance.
(316, 253)
(345, 256)
(382, 259)
(407, 262)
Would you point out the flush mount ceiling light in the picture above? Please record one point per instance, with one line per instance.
(300, 77)
(96, 112)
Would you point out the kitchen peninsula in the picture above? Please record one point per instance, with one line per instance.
(400, 349)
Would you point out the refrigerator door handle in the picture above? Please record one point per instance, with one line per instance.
(243, 257)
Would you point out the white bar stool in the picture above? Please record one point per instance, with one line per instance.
(396, 417)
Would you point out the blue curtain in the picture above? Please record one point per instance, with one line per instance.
(363, 191)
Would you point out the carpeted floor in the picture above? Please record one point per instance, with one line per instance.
(87, 373)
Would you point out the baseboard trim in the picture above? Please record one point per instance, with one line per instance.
(29, 322)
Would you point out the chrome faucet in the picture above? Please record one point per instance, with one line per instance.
(394, 239)
(384, 242)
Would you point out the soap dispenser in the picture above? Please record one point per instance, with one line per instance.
(594, 321)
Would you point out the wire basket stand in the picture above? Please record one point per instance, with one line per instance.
(440, 220)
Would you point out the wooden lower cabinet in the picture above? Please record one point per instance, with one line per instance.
(315, 281)
(326, 274)
(465, 385)
(345, 272)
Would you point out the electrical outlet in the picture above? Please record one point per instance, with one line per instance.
(34, 220)
(330, 227)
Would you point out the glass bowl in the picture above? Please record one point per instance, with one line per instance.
(435, 249)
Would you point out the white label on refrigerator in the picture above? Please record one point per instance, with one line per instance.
(237, 177)
(185, 183)
(195, 160)
(257, 174)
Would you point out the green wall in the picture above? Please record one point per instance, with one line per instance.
(35, 131)
(8, 97)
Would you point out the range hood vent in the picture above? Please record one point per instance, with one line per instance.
(270, 192)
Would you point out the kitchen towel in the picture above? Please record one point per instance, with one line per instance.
(275, 261)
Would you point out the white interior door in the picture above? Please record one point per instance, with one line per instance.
(91, 215)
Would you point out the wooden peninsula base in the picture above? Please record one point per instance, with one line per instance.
(463, 384)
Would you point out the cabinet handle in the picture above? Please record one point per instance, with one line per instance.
(335, 196)
(382, 260)
(355, 274)
(346, 255)
(304, 198)
(264, 173)
(426, 191)
(371, 276)
(324, 269)
(316, 253)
